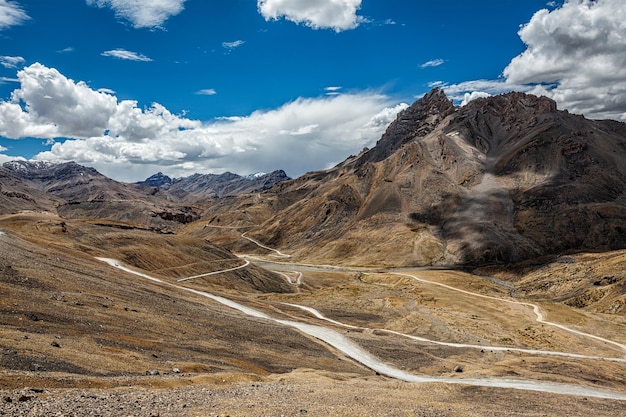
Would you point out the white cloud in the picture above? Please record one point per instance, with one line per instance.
(463, 93)
(142, 13)
(387, 115)
(473, 96)
(8, 80)
(338, 15)
(127, 55)
(2, 148)
(66, 50)
(578, 53)
(575, 54)
(7, 158)
(207, 92)
(11, 61)
(54, 106)
(233, 45)
(129, 143)
(304, 130)
(432, 63)
(11, 14)
(333, 90)
(106, 90)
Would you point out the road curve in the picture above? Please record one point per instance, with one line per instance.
(536, 310)
(320, 316)
(298, 280)
(539, 318)
(357, 353)
(279, 254)
(246, 263)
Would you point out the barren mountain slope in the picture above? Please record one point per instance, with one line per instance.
(75, 191)
(63, 311)
(595, 282)
(501, 179)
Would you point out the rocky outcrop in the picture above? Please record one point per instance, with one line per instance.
(412, 123)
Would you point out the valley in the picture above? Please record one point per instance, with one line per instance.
(472, 263)
(418, 326)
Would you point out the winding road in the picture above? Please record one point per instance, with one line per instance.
(536, 310)
(351, 349)
(246, 263)
(279, 254)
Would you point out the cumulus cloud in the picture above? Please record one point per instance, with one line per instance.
(127, 55)
(11, 61)
(473, 96)
(11, 14)
(432, 63)
(128, 142)
(7, 158)
(382, 119)
(49, 105)
(575, 54)
(142, 13)
(578, 53)
(338, 15)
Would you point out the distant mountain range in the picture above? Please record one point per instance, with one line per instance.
(202, 186)
(75, 191)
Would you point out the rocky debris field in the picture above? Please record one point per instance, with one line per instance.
(299, 394)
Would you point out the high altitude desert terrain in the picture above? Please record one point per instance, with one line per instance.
(472, 263)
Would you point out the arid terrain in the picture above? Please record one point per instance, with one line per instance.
(79, 331)
(419, 278)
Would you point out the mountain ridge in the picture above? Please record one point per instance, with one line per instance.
(202, 186)
(75, 191)
(500, 180)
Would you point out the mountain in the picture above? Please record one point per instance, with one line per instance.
(158, 180)
(69, 182)
(75, 191)
(199, 187)
(500, 180)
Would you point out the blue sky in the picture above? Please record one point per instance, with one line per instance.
(132, 87)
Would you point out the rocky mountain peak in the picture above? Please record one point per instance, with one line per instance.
(27, 166)
(418, 120)
(157, 180)
(513, 104)
(48, 171)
